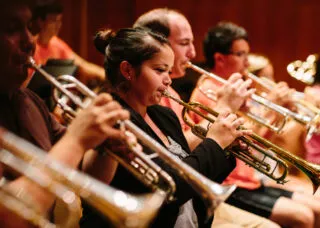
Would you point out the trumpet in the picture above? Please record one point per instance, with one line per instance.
(11, 202)
(257, 143)
(310, 122)
(212, 193)
(121, 208)
(304, 71)
(258, 99)
(311, 114)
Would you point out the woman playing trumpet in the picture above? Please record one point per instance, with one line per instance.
(138, 63)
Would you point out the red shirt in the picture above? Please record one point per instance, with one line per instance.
(56, 49)
(243, 175)
(313, 145)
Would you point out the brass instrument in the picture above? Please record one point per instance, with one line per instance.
(277, 127)
(304, 71)
(122, 209)
(212, 193)
(311, 114)
(284, 112)
(13, 204)
(257, 143)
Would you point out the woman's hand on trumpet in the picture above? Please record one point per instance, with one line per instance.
(225, 129)
(95, 124)
(232, 95)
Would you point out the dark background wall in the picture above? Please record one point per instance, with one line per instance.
(283, 30)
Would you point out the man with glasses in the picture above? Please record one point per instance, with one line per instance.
(226, 49)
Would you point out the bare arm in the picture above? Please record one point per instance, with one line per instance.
(88, 71)
(91, 127)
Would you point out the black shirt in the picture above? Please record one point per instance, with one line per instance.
(208, 158)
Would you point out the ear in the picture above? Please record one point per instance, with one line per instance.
(218, 57)
(127, 70)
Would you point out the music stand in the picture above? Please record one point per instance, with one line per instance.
(55, 67)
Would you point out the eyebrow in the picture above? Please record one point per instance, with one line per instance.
(161, 64)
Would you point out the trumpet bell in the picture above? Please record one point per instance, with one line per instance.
(259, 144)
(122, 209)
(304, 71)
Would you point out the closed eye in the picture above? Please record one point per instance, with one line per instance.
(160, 70)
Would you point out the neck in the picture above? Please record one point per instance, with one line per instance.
(220, 72)
(134, 103)
(43, 39)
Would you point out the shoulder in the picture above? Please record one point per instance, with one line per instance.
(165, 112)
(30, 94)
(36, 100)
(59, 43)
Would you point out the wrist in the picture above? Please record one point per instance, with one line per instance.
(223, 108)
(219, 140)
(68, 151)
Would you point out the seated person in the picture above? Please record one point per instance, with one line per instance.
(46, 24)
(138, 63)
(226, 49)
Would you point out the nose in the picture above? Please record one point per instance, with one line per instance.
(246, 61)
(167, 80)
(27, 42)
(191, 54)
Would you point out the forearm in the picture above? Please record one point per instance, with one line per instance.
(101, 167)
(89, 71)
(68, 152)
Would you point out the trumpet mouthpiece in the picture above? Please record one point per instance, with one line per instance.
(188, 64)
(166, 93)
(31, 62)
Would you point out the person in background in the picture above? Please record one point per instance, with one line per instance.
(261, 66)
(292, 138)
(46, 24)
(226, 50)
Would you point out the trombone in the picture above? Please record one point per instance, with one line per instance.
(121, 208)
(212, 193)
(286, 113)
(257, 143)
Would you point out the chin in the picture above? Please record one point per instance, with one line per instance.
(179, 74)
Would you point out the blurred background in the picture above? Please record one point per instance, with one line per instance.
(283, 30)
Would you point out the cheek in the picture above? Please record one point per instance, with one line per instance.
(6, 50)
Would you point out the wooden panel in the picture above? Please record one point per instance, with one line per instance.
(284, 30)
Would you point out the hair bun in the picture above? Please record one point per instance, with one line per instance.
(102, 39)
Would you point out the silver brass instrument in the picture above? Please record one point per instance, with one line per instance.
(14, 205)
(122, 209)
(304, 70)
(257, 143)
(311, 114)
(212, 193)
(260, 100)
